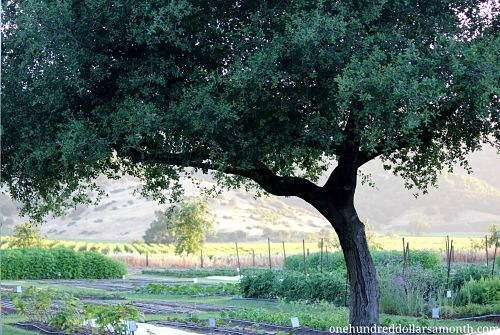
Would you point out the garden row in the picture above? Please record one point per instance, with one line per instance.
(191, 290)
(410, 290)
(58, 263)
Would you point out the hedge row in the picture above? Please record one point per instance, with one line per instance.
(426, 259)
(294, 286)
(58, 263)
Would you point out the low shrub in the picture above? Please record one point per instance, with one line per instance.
(58, 263)
(483, 291)
(294, 286)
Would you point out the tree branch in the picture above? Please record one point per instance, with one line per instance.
(262, 175)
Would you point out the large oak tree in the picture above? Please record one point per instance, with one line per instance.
(265, 93)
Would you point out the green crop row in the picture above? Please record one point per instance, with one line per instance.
(292, 286)
(58, 263)
(191, 290)
(197, 273)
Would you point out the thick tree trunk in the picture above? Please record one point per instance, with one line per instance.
(364, 308)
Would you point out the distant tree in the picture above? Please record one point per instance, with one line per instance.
(418, 227)
(494, 237)
(26, 235)
(185, 225)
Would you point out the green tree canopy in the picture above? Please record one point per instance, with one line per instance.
(266, 93)
(185, 225)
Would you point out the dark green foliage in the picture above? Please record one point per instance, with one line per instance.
(256, 90)
(427, 259)
(464, 273)
(58, 263)
(294, 286)
(482, 291)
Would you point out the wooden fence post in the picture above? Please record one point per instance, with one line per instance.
(269, 252)
(327, 260)
(408, 253)
(305, 261)
(486, 248)
(449, 265)
(147, 259)
(238, 258)
(284, 256)
(404, 255)
(494, 260)
(253, 257)
(201, 257)
(321, 258)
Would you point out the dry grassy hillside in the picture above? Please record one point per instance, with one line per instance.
(463, 204)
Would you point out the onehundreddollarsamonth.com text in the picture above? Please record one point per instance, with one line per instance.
(413, 329)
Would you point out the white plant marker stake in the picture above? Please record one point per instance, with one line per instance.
(131, 326)
(19, 289)
(195, 281)
(435, 313)
(448, 294)
(211, 325)
(295, 322)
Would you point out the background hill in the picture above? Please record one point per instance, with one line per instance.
(461, 205)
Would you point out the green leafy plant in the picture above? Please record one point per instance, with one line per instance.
(192, 290)
(191, 273)
(293, 286)
(35, 303)
(482, 291)
(111, 319)
(69, 316)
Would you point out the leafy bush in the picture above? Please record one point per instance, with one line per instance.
(483, 291)
(109, 319)
(35, 304)
(58, 263)
(466, 272)
(427, 259)
(294, 286)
